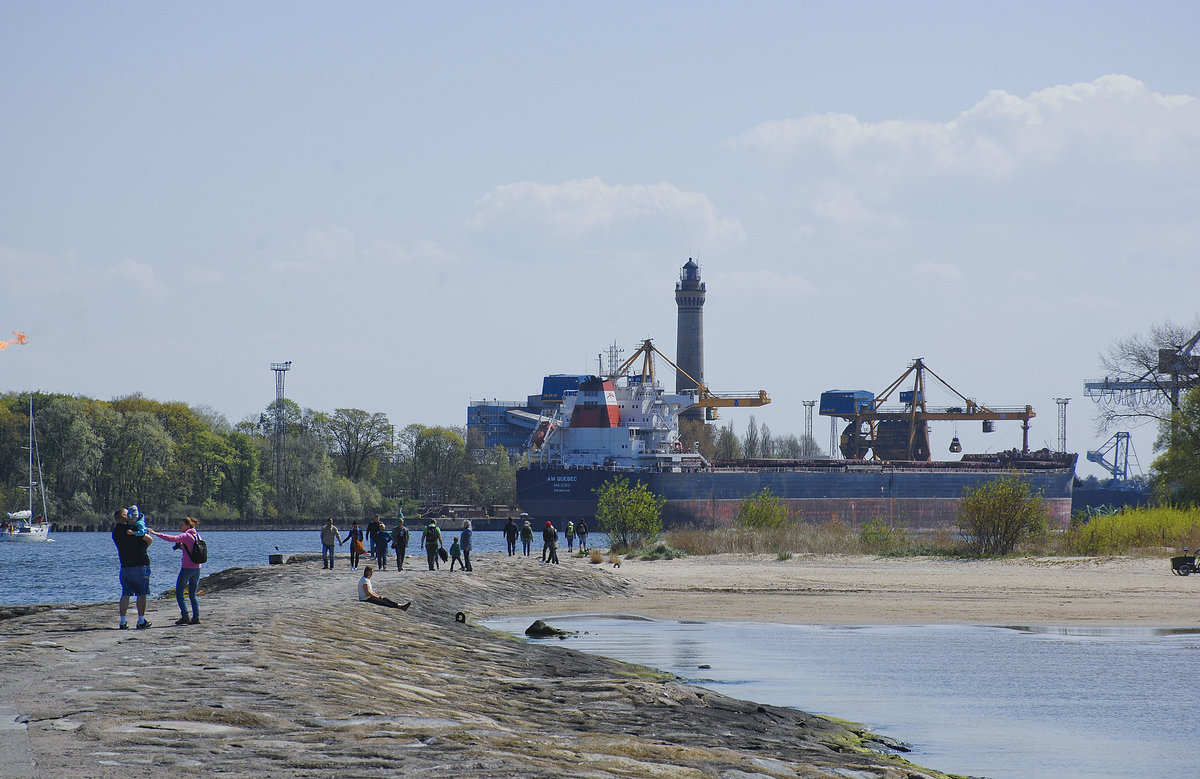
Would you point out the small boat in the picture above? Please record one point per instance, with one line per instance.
(23, 525)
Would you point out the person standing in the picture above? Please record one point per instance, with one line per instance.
(431, 542)
(400, 538)
(189, 570)
(367, 593)
(382, 540)
(511, 531)
(355, 537)
(456, 555)
(373, 533)
(526, 537)
(581, 530)
(570, 536)
(132, 550)
(467, 532)
(550, 543)
(329, 537)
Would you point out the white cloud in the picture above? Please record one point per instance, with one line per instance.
(762, 282)
(590, 209)
(139, 275)
(330, 246)
(1112, 120)
(840, 205)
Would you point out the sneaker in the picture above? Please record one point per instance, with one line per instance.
(183, 621)
(405, 606)
(143, 624)
(195, 621)
(123, 626)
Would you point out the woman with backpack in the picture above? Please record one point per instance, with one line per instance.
(189, 571)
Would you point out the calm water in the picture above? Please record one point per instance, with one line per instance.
(996, 702)
(82, 567)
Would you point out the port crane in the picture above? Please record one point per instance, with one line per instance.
(1120, 448)
(903, 433)
(704, 397)
(1176, 370)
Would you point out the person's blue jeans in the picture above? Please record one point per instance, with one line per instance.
(189, 578)
(326, 555)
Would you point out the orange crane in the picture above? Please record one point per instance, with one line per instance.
(704, 398)
(903, 433)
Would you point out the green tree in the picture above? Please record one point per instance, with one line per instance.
(1175, 475)
(696, 431)
(728, 447)
(999, 514)
(357, 436)
(630, 515)
(763, 510)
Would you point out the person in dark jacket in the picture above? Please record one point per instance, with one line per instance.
(550, 543)
(135, 567)
(400, 538)
(511, 531)
(467, 532)
(356, 545)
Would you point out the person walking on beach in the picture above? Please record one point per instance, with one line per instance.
(382, 540)
(355, 537)
(570, 536)
(372, 533)
(431, 542)
(132, 550)
(367, 593)
(467, 532)
(526, 536)
(189, 570)
(329, 537)
(581, 530)
(550, 543)
(400, 538)
(511, 531)
(456, 555)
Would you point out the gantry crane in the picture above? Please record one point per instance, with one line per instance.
(1177, 370)
(903, 433)
(704, 397)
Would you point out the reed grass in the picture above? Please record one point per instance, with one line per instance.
(1134, 530)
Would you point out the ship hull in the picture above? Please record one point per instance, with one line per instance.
(921, 496)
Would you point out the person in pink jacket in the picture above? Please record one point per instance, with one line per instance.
(189, 572)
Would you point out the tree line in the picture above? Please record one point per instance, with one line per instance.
(174, 459)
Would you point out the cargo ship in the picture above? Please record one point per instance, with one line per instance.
(627, 425)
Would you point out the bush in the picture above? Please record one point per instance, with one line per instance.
(630, 515)
(1134, 529)
(763, 510)
(999, 514)
(877, 536)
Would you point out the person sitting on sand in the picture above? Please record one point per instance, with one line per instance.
(367, 593)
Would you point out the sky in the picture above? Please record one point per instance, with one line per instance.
(421, 205)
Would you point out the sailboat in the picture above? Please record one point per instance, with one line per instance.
(23, 525)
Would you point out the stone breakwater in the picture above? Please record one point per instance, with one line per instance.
(289, 674)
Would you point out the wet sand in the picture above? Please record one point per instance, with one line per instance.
(866, 590)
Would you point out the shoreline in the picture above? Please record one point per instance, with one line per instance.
(288, 674)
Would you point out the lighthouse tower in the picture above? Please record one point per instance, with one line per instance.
(689, 337)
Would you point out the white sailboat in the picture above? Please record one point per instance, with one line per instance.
(23, 525)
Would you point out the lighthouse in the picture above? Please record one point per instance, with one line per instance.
(689, 337)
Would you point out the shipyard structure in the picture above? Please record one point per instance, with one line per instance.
(583, 431)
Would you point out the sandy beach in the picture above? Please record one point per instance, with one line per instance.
(289, 675)
(867, 590)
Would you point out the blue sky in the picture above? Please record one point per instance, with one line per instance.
(422, 205)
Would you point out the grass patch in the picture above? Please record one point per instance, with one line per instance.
(660, 551)
(1133, 530)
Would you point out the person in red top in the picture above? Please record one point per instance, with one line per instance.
(189, 571)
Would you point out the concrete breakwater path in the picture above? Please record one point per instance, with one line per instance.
(289, 675)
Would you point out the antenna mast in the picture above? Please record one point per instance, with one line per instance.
(281, 369)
